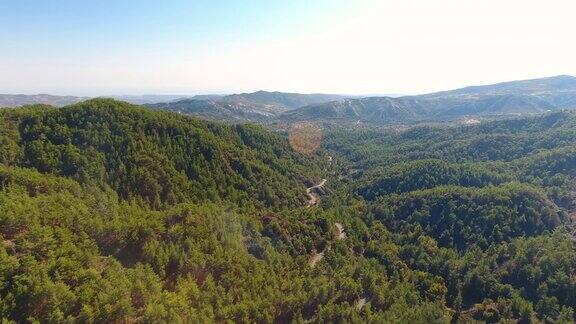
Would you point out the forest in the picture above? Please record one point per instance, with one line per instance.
(112, 212)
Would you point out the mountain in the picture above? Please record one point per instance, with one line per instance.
(204, 97)
(281, 100)
(374, 109)
(9, 100)
(257, 106)
(508, 98)
(219, 110)
(147, 99)
(156, 156)
(15, 100)
(558, 83)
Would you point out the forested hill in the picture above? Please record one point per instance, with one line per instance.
(111, 212)
(490, 208)
(160, 157)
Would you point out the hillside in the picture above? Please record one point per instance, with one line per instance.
(219, 110)
(283, 100)
(372, 109)
(560, 83)
(160, 157)
(112, 212)
(257, 106)
(509, 98)
(15, 100)
(487, 191)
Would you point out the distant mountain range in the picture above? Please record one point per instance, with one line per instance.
(501, 99)
(147, 99)
(257, 106)
(16, 100)
(507, 98)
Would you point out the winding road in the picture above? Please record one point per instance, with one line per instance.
(313, 201)
(340, 235)
(316, 257)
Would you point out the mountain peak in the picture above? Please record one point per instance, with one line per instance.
(564, 77)
(563, 80)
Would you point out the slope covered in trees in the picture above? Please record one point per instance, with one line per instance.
(159, 157)
(466, 202)
(110, 212)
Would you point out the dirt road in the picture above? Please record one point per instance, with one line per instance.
(313, 201)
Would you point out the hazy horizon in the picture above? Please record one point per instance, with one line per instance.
(191, 94)
(364, 47)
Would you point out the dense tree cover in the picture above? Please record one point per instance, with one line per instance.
(528, 278)
(428, 173)
(459, 217)
(503, 140)
(72, 253)
(159, 157)
(489, 208)
(110, 212)
(113, 213)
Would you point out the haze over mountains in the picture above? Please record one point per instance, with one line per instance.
(15, 100)
(501, 99)
(256, 106)
(507, 98)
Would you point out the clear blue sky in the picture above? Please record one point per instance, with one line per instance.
(58, 25)
(37, 33)
(362, 46)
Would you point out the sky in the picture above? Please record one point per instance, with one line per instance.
(110, 47)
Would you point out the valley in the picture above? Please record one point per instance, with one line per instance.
(404, 162)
